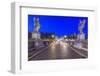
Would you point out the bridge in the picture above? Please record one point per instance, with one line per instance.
(58, 49)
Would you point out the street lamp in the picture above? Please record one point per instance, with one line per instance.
(65, 36)
(53, 36)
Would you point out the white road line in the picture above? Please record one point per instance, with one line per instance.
(84, 49)
(78, 52)
(41, 50)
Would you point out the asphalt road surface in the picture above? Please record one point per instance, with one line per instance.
(58, 50)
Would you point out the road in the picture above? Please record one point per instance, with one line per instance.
(59, 50)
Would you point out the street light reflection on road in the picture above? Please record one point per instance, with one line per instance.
(53, 49)
(64, 49)
(59, 44)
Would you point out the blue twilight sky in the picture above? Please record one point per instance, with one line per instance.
(60, 25)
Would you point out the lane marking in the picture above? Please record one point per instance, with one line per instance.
(41, 50)
(84, 49)
(78, 52)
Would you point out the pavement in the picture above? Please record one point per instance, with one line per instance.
(58, 50)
